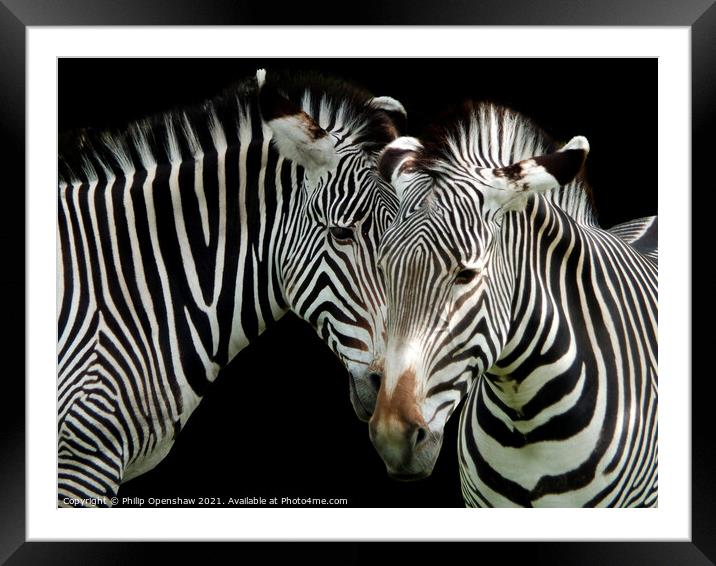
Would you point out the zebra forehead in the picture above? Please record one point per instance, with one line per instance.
(441, 209)
(342, 194)
(415, 250)
(443, 241)
(439, 189)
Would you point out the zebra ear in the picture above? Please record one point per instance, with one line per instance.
(295, 134)
(394, 109)
(396, 160)
(539, 174)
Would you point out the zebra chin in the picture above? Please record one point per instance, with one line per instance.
(418, 466)
(409, 453)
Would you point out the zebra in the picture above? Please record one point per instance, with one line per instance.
(181, 237)
(642, 234)
(502, 289)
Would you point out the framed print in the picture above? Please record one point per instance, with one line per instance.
(290, 461)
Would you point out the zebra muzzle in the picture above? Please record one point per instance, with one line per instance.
(400, 434)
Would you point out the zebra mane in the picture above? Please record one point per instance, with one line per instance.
(484, 134)
(188, 133)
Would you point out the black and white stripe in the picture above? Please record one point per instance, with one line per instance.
(181, 238)
(642, 234)
(502, 287)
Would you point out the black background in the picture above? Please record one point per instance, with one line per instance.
(278, 422)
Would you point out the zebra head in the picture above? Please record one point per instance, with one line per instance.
(337, 214)
(448, 289)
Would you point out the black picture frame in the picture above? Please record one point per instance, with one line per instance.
(17, 15)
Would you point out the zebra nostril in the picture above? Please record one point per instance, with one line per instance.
(375, 379)
(420, 436)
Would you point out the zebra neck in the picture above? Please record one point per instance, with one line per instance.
(254, 207)
(541, 246)
(576, 317)
(215, 224)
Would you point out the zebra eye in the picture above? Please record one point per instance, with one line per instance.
(465, 276)
(341, 233)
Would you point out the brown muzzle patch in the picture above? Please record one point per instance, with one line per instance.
(402, 405)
